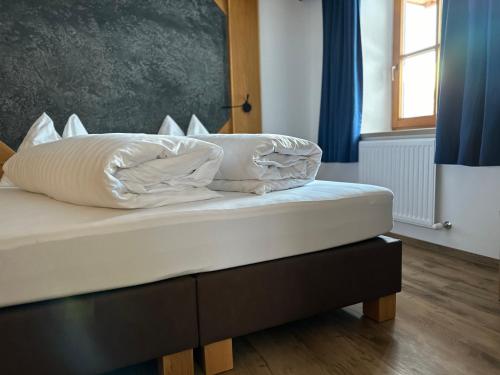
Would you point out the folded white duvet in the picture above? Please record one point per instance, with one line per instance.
(118, 170)
(260, 163)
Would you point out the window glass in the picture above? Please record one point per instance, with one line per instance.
(418, 85)
(419, 25)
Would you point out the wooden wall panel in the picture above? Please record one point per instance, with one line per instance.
(227, 128)
(222, 5)
(244, 60)
(5, 153)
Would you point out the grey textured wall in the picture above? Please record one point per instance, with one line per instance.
(121, 65)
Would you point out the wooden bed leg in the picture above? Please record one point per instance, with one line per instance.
(381, 309)
(217, 357)
(181, 363)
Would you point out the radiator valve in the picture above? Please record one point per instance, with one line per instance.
(444, 225)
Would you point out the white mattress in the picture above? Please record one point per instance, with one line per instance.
(50, 249)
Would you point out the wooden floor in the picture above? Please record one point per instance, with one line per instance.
(448, 322)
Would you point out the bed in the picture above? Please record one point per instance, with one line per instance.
(87, 290)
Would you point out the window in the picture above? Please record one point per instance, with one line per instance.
(415, 63)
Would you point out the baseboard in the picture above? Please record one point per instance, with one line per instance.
(452, 252)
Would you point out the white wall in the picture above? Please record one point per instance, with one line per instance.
(291, 53)
(284, 67)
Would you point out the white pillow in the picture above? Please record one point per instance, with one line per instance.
(42, 131)
(74, 127)
(170, 127)
(196, 127)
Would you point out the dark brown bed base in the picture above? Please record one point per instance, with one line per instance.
(246, 299)
(98, 332)
(103, 331)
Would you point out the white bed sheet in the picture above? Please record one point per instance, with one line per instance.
(51, 249)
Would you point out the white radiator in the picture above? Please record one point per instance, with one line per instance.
(406, 166)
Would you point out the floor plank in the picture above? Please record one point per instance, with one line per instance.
(448, 322)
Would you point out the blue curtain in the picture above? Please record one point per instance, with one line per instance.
(342, 87)
(468, 118)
